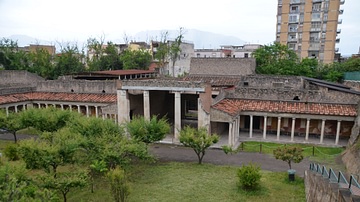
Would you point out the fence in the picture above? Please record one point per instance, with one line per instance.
(265, 148)
(353, 184)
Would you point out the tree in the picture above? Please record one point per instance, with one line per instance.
(69, 61)
(65, 181)
(97, 168)
(289, 154)
(148, 131)
(197, 139)
(175, 50)
(136, 59)
(11, 57)
(41, 63)
(119, 186)
(11, 123)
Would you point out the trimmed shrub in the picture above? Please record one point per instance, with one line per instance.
(11, 152)
(249, 176)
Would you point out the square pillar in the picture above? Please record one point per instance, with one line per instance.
(177, 126)
(123, 106)
(278, 128)
(146, 105)
(307, 130)
(231, 133)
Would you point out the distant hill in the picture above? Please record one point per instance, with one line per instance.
(201, 39)
(24, 40)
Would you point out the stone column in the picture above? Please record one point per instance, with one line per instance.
(146, 105)
(278, 128)
(292, 129)
(307, 130)
(16, 109)
(24, 107)
(62, 106)
(39, 105)
(87, 110)
(123, 106)
(70, 107)
(177, 126)
(96, 112)
(251, 126)
(231, 133)
(54, 105)
(7, 111)
(79, 110)
(337, 132)
(103, 116)
(46, 105)
(265, 126)
(322, 131)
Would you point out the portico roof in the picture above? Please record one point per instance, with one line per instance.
(53, 96)
(235, 106)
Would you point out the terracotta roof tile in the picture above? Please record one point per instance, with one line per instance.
(234, 106)
(69, 97)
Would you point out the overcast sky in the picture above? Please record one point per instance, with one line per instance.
(76, 20)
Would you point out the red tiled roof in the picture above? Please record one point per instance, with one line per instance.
(69, 97)
(234, 106)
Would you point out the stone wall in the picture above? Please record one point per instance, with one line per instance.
(319, 189)
(289, 94)
(77, 86)
(355, 85)
(222, 66)
(15, 90)
(8, 77)
(271, 81)
(351, 159)
(161, 83)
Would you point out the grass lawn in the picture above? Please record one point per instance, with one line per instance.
(323, 155)
(192, 182)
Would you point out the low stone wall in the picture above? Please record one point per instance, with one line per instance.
(77, 86)
(15, 90)
(319, 189)
(18, 77)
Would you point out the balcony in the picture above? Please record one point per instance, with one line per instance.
(315, 1)
(342, 2)
(337, 40)
(315, 29)
(341, 11)
(340, 21)
(292, 39)
(294, 1)
(314, 47)
(338, 31)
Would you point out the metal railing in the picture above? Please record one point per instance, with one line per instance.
(353, 184)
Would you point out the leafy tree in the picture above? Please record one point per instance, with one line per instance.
(69, 61)
(148, 131)
(289, 154)
(351, 65)
(119, 186)
(16, 186)
(175, 50)
(97, 168)
(65, 181)
(11, 57)
(41, 63)
(197, 139)
(249, 176)
(11, 123)
(49, 154)
(275, 59)
(162, 51)
(136, 59)
(104, 57)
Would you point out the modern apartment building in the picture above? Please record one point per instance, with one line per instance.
(310, 27)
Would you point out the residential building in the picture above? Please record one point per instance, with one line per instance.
(227, 51)
(310, 27)
(32, 48)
